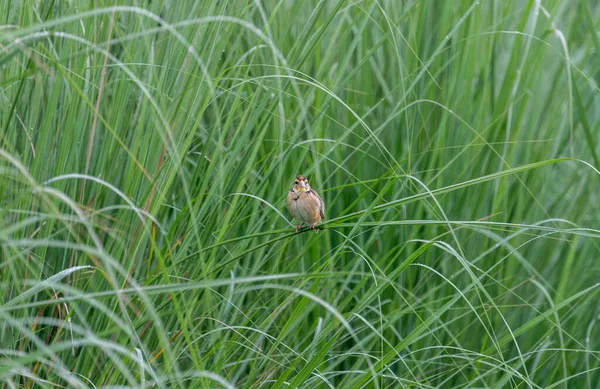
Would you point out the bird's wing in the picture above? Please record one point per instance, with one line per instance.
(291, 196)
(320, 202)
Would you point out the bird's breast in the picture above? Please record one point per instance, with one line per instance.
(305, 208)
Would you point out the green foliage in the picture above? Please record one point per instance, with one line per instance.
(147, 148)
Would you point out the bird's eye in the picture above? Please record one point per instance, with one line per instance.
(296, 183)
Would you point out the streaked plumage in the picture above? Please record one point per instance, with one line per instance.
(305, 204)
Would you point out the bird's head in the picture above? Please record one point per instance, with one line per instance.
(301, 184)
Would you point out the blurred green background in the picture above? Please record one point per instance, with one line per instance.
(147, 148)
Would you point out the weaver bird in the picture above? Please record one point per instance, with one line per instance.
(305, 204)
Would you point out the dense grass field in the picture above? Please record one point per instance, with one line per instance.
(147, 147)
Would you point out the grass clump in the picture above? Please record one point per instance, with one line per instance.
(147, 147)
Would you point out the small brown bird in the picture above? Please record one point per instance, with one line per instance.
(305, 204)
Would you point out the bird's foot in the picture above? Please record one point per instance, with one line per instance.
(299, 227)
(312, 226)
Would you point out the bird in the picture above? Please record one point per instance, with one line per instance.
(305, 204)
